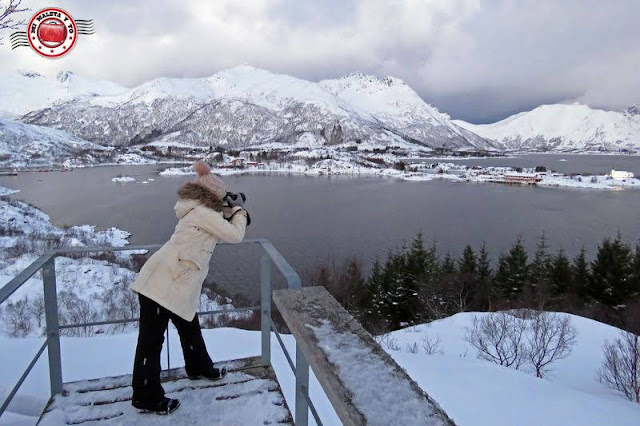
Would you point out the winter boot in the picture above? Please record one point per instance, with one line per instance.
(162, 407)
(212, 374)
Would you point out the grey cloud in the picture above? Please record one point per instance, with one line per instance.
(478, 60)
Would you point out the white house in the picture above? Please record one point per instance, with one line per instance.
(619, 174)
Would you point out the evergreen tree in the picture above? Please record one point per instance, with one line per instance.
(483, 299)
(417, 257)
(540, 267)
(371, 310)
(431, 267)
(560, 274)
(512, 274)
(448, 267)
(611, 280)
(484, 266)
(398, 302)
(580, 275)
(635, 271)
(468, 264)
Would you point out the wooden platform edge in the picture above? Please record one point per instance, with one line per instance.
(310, 306)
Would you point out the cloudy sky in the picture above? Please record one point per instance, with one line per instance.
(478, 60)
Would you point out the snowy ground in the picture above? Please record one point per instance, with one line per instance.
(472, 391)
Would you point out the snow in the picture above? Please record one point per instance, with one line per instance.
(23, 91)
(27, 144)
(123, 179)
(472, 391)
(7, 191)
(564, 128)
(239, 399)
(374, 387)
(476, 392)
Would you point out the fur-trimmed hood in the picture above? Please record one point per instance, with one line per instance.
(201, 194)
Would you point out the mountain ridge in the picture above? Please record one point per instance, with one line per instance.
(565, 127)
(245, 106)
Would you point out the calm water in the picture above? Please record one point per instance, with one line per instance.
(312, 219)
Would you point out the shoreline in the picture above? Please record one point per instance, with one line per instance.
(555, 180)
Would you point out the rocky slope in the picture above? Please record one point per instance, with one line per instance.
(25, 144)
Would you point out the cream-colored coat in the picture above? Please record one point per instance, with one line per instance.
(173, 276)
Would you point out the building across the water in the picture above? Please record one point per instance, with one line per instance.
(516, 178)
(620, 174)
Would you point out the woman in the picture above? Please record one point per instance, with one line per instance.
(170, 282)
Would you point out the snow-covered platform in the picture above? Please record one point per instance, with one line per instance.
(248, 395)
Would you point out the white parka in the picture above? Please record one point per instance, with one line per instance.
(173, 276)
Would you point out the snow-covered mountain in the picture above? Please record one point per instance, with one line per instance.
(565, 128)
(390, 100)
(22, 91)
(245, 106)
(27, 144)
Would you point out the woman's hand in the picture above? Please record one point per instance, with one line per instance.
(235, 200)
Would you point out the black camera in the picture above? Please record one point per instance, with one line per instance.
(233, 196)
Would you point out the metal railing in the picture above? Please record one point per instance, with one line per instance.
(270, 256)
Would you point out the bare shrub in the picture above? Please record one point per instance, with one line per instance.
(252, 321)
(620, 369)
(499, 338)
(413, 348)
(73, 310)
(36, 308)
(387, 342)
(551, 338)
(18, 318)
(431, 346)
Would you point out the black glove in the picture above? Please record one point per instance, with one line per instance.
(235, 200)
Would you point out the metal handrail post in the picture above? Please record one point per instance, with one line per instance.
(265, 308)
(302, 384)
(53, 325)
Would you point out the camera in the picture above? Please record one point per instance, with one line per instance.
(233, 196)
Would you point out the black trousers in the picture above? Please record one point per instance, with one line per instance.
(146, 369)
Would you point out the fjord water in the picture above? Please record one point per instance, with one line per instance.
(312, 219)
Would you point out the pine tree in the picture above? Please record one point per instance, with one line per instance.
(399, 303)
(484, 266)
(560, 274)
(483, 299)
(581, 275)
(448, 266)
(635, 271)
(417, 257)
(512, 274)
(468, 264)
(541, 265)
(611, 278)
(431, 267)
